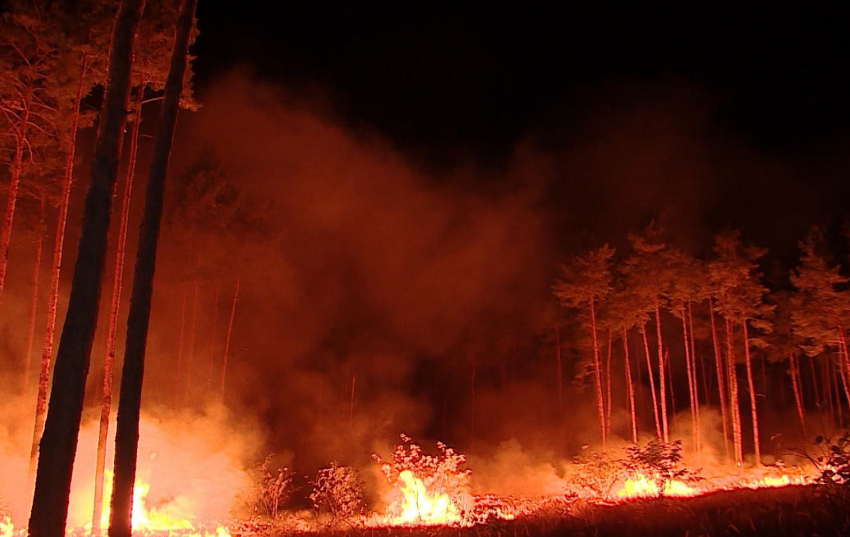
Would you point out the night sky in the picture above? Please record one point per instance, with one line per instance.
(437, 76)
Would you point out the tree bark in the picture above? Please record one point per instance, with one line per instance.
(751, 385)
(630, 388)
(665, 429)
(59, 441)
(114, 311)
(36, 272)
(56, 269)
(652, 390)
(227, 340)
(721, 385)
(597, 374)
(132, 374)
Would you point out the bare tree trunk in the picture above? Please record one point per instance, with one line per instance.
(132, 373)
(816, 390)
(798, 393)
(472, 405)
(189, 361)
(751, 385)
(695, 359)
(56, 267)
(630, 388)
(597, 374)
(114, 310)
(608, 386)
(721, 386)
(15, 168)
(59, 441)
(558, 369)
(178, 388)
(227, 340)
(214, 337)
(351, 400)
(36, 272)
(844, 364)
(691, 387)
(737, 434)
(665, 429)
(652, 390)
(827, 383)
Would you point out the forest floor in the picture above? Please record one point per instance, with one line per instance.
(787, 511)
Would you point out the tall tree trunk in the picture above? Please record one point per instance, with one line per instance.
(351, 398)
(36, 272)
(721, 386)
(751, 385)
(844, 364)
(734, 401)
(56, 267)
(15, 168)
(796, 385)
(189, 362)
(558, 369)
(608, 386)
(665, 429)
(214, 337)
(132, 373)
(114, 310)
(817, 392)
(597, 374)
(692, 389)
(59, 441)
(652, 389)
(227, 340)
(472, 405)
(826, 375)
(178, 386)
(630, 388)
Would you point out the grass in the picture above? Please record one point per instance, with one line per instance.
(788, 511)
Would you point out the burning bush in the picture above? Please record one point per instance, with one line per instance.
(659, 464)
(430, 489)
(338, 491)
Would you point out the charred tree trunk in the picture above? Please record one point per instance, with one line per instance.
(59, 441)
(472, 405)
(36, 272)
(630, 388)
(665, 428)
(114, 310)
(227, 340)
(652, 389)
(214, 337)
(597, 375)
(56, 267)
(721, 385)
(132, 374)
(751, 386)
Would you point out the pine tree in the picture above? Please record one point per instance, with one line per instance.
(585, 283)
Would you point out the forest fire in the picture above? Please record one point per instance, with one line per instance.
(578, 314)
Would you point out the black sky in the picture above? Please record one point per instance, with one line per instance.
(442, 76)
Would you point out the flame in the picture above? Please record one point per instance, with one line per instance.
(7, 529)
(640, 486)
(421, 506)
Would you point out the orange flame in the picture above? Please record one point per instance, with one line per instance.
(640, 486)
(421, 506)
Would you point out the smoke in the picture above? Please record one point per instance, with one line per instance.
(195, 463)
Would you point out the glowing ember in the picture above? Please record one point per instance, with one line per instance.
(421, 506)
(639, 486)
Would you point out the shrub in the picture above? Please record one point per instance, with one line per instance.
(338, 491)
(271, 490)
